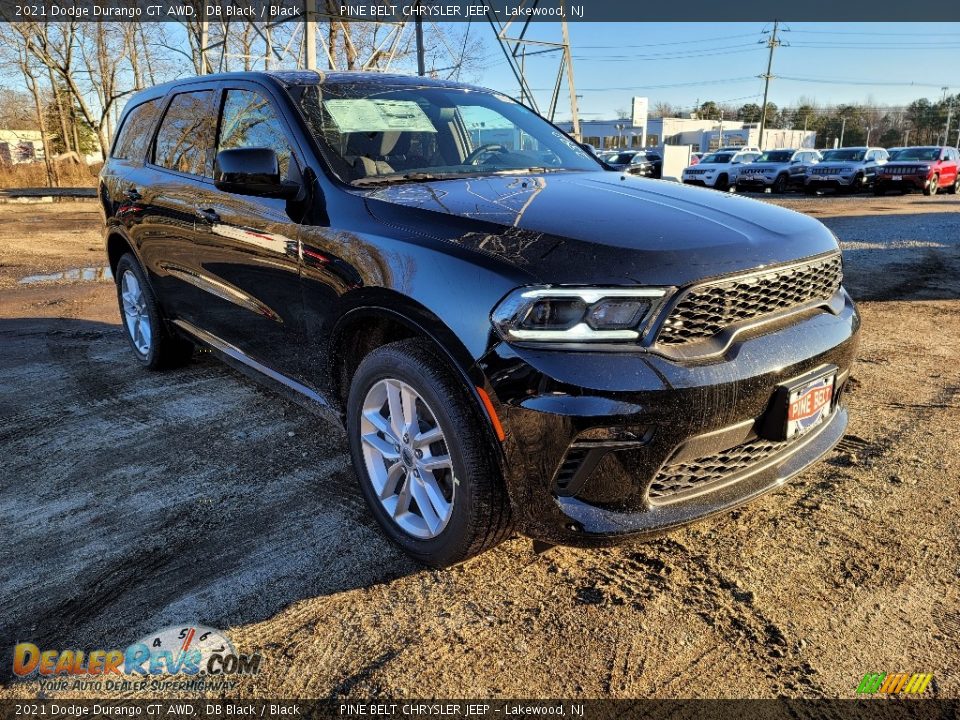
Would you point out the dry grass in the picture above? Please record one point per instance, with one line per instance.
(35, 175)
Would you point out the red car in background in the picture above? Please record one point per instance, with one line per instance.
(929, 169)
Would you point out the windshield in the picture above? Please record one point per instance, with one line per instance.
(381, 133)
(852, 154)
(717, 158)
(917, 154)
(620, 158)
(778, 156)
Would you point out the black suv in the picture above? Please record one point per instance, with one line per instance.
(515, 338)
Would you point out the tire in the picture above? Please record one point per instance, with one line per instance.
(779, 186)
(722, 184)
(145, 328)
(953, 189)
(809, 190)
(930, 189)
(474, 499)
(879, 191)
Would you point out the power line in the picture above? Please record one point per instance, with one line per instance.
(694, 41)
(694, 83)
(895, 34)
(839, 81)
(653, 58)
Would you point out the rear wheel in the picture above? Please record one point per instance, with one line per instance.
(151, 339)
(423, 456)
(953, 189)
(931, 187)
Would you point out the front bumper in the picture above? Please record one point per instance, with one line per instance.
(906, 182)
(830, 181)
(699, 181)
(589, 434)
(755, 182)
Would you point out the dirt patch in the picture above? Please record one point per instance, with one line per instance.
(141, 500)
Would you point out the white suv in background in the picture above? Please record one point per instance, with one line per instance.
(719, 169)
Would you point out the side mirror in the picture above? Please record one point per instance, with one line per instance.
(251, 171)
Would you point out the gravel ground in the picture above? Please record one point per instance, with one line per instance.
(133, 501)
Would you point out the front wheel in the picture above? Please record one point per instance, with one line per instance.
(424, 457)
(722, 184)
(931, 187)
(152, 342)
(780, 184)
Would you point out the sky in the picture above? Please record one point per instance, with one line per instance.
(681, 63)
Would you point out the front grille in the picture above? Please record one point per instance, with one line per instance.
(900, 169)
(675, 481)
(709, 309)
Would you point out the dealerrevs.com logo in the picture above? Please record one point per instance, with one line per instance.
(201, 658)
(893, 683)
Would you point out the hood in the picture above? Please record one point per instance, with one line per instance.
(767, 165)
(603, 227)
(839, 163)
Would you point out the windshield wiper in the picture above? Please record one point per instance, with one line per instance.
(427, 177)
(409, 177)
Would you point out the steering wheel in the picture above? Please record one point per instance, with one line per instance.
(489, 148)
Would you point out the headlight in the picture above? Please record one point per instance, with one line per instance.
(563, 314)
(923, 170)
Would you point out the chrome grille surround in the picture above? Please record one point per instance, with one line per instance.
(706, 310)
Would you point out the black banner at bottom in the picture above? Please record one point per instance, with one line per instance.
(873, 709)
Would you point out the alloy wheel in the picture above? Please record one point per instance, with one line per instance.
(407, 458)
(135, 314)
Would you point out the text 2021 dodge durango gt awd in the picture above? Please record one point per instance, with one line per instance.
(517, 339)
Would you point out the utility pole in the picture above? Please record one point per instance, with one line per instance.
(843, 126)
(310, 36)
(421, 59)
(772, 43)
(574, 113)
(946, 130)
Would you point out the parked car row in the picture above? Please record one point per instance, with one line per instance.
(646, 163)
(928, 169)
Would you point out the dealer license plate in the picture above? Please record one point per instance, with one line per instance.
(809, 405)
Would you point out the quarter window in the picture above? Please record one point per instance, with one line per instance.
(250, 122)
(134, 135)
(186, 136)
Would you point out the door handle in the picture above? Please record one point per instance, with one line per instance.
(131, 193)
(208, 215)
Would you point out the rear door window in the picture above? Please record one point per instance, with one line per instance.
(186, 136)
(134, 135)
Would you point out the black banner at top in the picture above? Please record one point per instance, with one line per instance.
(500, 11)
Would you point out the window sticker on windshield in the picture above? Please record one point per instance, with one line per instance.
(364, 115)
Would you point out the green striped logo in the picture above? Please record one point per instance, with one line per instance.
(892, 683)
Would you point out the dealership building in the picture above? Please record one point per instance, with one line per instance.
(701, 135)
